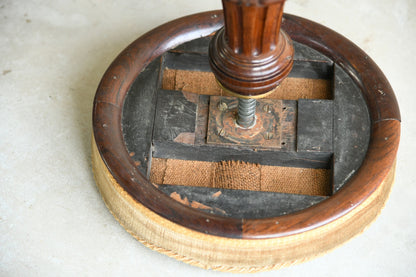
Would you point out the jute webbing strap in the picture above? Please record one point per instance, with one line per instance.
(241, 175)
(204, 83)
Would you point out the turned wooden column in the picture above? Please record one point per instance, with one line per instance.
(251, 55)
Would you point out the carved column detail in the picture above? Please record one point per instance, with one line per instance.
(250, 56)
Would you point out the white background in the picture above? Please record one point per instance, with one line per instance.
(52, 56)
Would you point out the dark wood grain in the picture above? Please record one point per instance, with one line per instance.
(251, 55)
(383, 108)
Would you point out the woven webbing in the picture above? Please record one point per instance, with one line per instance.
(241, 175)
(204, 83)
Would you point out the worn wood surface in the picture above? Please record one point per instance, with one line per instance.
(274, 127)
(206, 152)
(315, 126)
(175, 115)
(382, 149)
(180, 132)
(139, 113)
(241, 203)
(351, 128)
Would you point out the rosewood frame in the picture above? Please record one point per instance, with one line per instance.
(380, 157)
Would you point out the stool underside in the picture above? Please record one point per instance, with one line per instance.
(165, 127)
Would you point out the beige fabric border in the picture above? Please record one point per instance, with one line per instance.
(231, 255)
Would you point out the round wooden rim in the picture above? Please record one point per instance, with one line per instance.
(380, 157)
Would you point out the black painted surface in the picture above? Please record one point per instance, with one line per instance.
(315, 125)
(187, 61)
(305, 53)
(351, 128)
(311, 70)
(174, 115)
(243, 204)
(173, 150)
(138, 114)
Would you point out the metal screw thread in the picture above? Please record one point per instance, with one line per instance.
(246, 112)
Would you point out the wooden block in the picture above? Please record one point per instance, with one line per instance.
(274, 128)
(180, 133)
(173, 150)
(351, 128)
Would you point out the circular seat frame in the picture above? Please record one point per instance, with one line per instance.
(230, 244)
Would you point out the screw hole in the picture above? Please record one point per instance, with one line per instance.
(284, 108)
(283, 143)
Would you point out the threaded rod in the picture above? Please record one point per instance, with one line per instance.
(246, 112)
